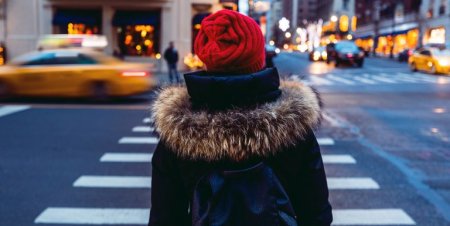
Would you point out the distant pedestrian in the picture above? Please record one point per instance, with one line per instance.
(171, 56)
(237, 146)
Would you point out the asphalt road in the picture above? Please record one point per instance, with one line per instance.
(384, 139)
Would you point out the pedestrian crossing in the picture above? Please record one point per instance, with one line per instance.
(95, 215)
(331, 79)
(11, 109)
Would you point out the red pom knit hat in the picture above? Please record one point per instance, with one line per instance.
(230, 42)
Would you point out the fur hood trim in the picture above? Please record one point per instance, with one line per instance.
(238, 133)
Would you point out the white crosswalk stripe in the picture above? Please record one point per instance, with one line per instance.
(383, 79)
(11, 109)
(113, 182)
(138, 140)
(126, 157)
(371, 217)
(93, 216)
(338, 159)
(143, 129)
(147, 120)
(351, 183)
(365, 80)
(373, 79)
(339, 79)
(320, 81)
(325, 141)
(424, 77)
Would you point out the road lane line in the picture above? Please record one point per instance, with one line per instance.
(113, 182)
(93, 216)
(338, 159)
(325, 141)
(126, 157)
(143, 129)
(339, 79)
(371, 217)
(10, 109)
(340, 183)
(138, 140)
(383, 77)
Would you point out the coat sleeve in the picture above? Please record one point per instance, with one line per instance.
(168, 198)
(314, 208)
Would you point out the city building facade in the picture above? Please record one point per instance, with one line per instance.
(388, 27)
(140, 30)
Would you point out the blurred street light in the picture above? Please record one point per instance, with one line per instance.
(334, 18)
(283, 24)
(288, 34)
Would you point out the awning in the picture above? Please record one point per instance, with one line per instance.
(199, 18)
(66, 16)
(124, 18)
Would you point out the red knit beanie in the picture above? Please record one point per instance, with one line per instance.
(230, 42)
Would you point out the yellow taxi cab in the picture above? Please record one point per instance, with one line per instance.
(432, 60)
(73, 73)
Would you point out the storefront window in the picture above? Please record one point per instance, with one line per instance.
(73, 29)
(137, 33)
(435, 35)
(138, 40)
(77, 21)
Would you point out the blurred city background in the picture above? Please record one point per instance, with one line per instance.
(77, 79)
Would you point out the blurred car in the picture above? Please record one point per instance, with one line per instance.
(432, 60)
(345, 52)
(404, 55)
(318, 54)
(73, 73)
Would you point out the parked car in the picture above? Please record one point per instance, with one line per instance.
(432, 60)
(73, 73)
(404, 55)
(345, 52)
(318, 54)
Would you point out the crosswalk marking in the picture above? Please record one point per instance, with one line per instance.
(94, 216)
(383, 79)
(141, 129)
(113, 182)
(424, 78)
(335, 183)
(325, 141)
(138, 140)
(320, 81)
(338, 159)
(147, 120)
(373, 79)
(408, 78)
(339, 79)
(126, 157)
(10, 109)
(365, 80)
(371, 217)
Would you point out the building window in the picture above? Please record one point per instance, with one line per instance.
(430, 11)
(442, 7)
(345, 3)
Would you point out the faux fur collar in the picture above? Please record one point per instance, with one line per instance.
(238, 133)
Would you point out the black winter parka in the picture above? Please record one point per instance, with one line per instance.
(232, 122)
